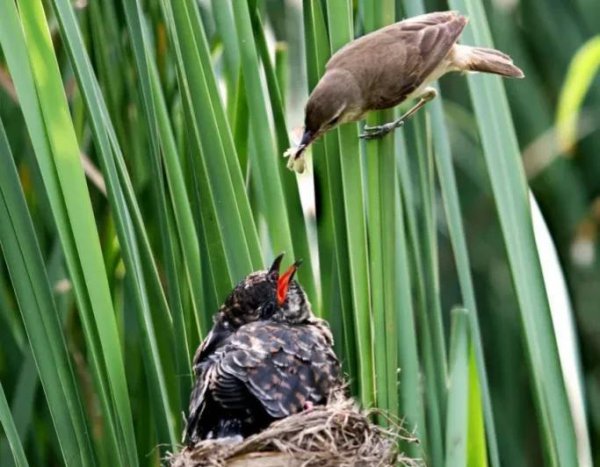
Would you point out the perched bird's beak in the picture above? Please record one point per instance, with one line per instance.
(284, 282)
(307, 138)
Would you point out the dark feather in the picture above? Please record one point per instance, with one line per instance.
(263, 371)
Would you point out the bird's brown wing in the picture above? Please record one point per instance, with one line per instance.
(394, 61)
(282, 367)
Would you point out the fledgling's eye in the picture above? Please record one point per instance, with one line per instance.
(267, 310)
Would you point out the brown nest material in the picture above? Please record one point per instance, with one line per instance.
(337, 434)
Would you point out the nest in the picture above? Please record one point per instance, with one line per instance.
(337, 434)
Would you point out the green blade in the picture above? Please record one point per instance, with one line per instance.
(58, 156)
(265, 166)
(130, 232)
(336, 297)
(458, 391)
(32, 288)
(476, 445)
(411, 398)
(217, 162)
(510, 192)
(10, 430)
(382, 185)
(288, 179)
(447, 180)
(414, 159)
(339, 14)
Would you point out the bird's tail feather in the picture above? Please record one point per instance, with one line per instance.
(486, 60)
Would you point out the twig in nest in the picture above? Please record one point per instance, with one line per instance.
(337, 434)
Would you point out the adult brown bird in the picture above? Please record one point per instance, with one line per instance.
(388, 66)
(266, 357)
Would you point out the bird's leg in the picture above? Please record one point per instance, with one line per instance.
(428, 94)
(372, 132)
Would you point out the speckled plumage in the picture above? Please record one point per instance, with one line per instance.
(261, 361)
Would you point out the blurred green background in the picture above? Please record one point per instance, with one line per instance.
(185, 192)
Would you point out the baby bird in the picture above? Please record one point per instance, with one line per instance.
(266, 357)
(387, 67)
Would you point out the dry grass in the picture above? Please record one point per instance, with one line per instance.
(338, 434)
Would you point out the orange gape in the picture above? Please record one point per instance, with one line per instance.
(284, 282)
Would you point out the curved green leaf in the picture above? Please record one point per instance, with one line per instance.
(580, 76)
(510, 193)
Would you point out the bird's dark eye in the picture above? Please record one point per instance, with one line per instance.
(267, 310)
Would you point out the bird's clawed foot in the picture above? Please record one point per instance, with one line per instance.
(372, 132)
(379, 131)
